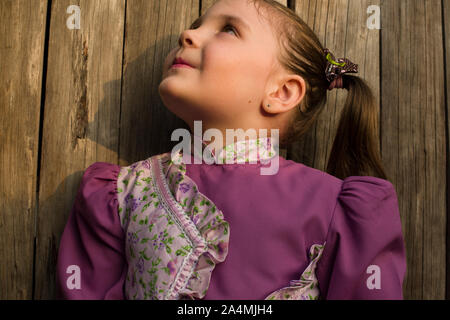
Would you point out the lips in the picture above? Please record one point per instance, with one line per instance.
(181, 62)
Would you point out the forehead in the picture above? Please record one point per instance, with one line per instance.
(259, 26)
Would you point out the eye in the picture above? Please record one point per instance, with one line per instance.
(230, 27)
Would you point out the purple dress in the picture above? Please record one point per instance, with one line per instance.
(275, 223)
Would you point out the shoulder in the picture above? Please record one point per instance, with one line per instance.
(101, 170)
(134, 173)
(316, 181)
(365, 196)
(368, 197)
(98, 176)
(104, 185)
(367, 186)
(96, 199)
(134, 180)
(361, 187)
(366, 207)
(290, 166)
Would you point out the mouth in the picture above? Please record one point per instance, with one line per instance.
(180, 63)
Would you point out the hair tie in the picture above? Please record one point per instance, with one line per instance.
(336, 69)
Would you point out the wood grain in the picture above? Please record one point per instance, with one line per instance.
(446, 44)
(22, 34)
(413, 137)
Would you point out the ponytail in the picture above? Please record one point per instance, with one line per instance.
(355, 150)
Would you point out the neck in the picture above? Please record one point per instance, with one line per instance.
(221, 135)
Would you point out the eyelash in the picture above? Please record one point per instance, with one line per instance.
(226, 25)
(233, 28)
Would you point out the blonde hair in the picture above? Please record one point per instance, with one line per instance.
(355, 150)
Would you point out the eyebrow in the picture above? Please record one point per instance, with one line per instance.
(223, 17)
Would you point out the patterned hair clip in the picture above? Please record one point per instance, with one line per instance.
(336, 68)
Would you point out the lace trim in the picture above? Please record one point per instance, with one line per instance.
(306, 288)
(199, 215)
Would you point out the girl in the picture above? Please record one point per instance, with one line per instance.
(168, 228)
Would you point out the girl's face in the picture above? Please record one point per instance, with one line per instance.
(232, 60)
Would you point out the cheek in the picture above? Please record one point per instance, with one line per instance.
(235, 69)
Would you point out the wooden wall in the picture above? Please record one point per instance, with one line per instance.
(69, 98)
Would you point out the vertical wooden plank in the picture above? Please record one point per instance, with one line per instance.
(446, 22)
(413, 134)
(393, 126)
(81, 122)
(22, 31)
(435, 156)
(152, 31)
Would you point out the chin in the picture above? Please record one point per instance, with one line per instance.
(168, 92)
(173, 102)
(171, 87)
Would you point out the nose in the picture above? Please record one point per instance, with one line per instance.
(186, 38)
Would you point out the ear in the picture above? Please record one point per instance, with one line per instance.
(285, 94)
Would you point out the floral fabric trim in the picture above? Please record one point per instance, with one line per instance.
(175, 234)
(241, 151)
(307, 287)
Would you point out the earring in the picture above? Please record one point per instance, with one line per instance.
(268, 106)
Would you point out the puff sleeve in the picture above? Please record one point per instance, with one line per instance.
(91, 260)
(364, 256)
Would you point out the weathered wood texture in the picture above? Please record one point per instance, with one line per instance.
(446, 45)
(74, 97)
(22, 34)
(413, 136)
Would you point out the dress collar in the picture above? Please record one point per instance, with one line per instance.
(240, 152)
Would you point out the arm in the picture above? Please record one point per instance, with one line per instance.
(91, 258)
(364, 256)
